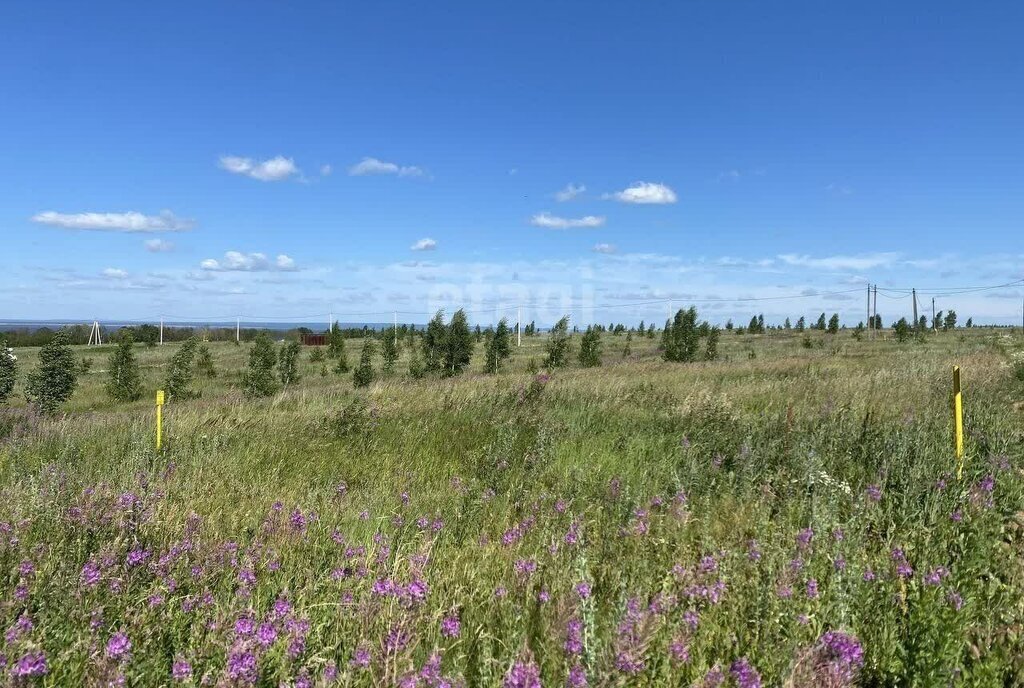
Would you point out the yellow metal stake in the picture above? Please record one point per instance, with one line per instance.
(958, 423)
(159, 417)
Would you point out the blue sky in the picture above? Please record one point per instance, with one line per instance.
(283, 160)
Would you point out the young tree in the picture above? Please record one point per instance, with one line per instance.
(711, 346)
(54, 380)
(681, 337)
(902, 330)
(786, 325)
(752, 327)
(458, 344)
(435, 343)
(336, 343)
(288, 362)
(123, 383)
(558, 344)
(362, 376)
(178, 385)
(969, 323)
(590, 348)
(627, 350)
(8, 372)
(416, 369)
(498, 348)
(389, 351)
(820, 325)
(258, 379)
(833, 324)
(878, 322)
(949, 322)
(801, 324)
(204, 362)
(650, 331)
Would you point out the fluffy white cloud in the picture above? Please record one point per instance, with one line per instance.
(236, 261)
(133, 221)
(604, 248)
(115, 273)
(426, 244)
(570, 192)
(272, 170)
(645, 193)
(858, 262)
(374, 166)
(159, 246)
(549, 221)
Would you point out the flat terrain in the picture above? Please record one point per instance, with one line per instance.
(787, 510)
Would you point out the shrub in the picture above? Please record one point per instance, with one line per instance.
(258, 379)
(498, 348)
(84, 365)
(362, 376)
(54, 380)
(902, 330)
(8, 372)
(711, 346)
(288, 363)
(178, 385)
(558, 344)
(204, 362)
(336, 343)
(416, 369)
(590, 348)
(389, 350)
(317, 355)
(123, 382)
(458, 344)
(627, 350)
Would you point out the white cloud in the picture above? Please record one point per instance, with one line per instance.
(549, 221)
(159, 246)
(325, 170)
(133, 221)
(858, 262)
(426, 244)
(839, 189)
(570, 192)
(644, 193)
(115, 273)
(272, 170)
(236, 261)
(374, 166)
(604, 248)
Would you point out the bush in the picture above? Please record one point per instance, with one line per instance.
(204, 362)
(54, 381)
(123, 382)
(258, 380)
(590, 348)
(1018, 369)
(8, 372)
(288, 363)
(362, 376)
(84, 365)
(317, 355)
(178, 385)
(558, 345)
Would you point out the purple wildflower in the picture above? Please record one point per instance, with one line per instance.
(181, 670)
(450, 627)
(31, 664)
(119, 645)
(523, 675)
(745, 674)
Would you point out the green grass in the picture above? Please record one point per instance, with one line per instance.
(671, 475)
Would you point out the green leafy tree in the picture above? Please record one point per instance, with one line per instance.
(258, 379)
(558, 345)
(590, 348)
(627, 350)
(54, 380)
(711, 345)
(650, 331)
(288, 363)
(801, 324)
(902, 330)
(949, 322)
(458, 344)
(362, 376)
(435, 343)
(878, 322)
(498, 348)
(681, 337)
(204, 362)
(970, 322)
(8, 372)
(821, 324)
(833, 324)
(178, 384)
(389, 351)
(416, 367)
(123, 382)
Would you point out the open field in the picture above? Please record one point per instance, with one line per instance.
(786, 512)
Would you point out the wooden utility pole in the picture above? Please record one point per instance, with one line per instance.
(935, 326)
(875, 306)
(913, 293)
(871, 322)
